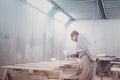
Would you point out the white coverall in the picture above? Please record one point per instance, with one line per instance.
(87, 61)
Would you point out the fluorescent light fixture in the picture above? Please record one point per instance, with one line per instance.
(61, 17)
(43, 5)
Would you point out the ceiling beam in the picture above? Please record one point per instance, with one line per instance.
(59, 8)
(102, 9)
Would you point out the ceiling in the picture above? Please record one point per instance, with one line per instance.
(90, 9)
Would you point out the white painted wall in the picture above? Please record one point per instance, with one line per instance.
(103, 35)
(27, 34)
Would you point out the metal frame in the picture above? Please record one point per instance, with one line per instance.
(102, 9)
(59, 8)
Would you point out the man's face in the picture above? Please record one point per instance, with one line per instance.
(74, 38)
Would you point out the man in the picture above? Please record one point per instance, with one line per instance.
(86, 55)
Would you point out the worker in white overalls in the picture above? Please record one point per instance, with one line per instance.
(86, 55)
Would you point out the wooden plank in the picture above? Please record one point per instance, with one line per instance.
(46, 64)
(50, 63)
(4, 74)
(26, 68)
(46, 67)
(115, 62)
(115, 69)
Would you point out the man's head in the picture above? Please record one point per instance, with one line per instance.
(74, 36)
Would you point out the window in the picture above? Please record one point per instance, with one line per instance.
(62, 17)
(43, 5)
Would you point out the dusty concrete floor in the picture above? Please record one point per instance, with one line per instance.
(104, 78)
(30, 77)
(96, 78)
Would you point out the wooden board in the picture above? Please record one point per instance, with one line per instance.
(49, 68)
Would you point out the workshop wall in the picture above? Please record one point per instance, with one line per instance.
(103, 35)
(27, 34)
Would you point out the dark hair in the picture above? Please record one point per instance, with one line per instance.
(74, 33)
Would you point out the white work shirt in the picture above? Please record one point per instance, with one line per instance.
(83, 45)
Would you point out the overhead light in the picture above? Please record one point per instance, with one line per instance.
(43, 5)
(61, 17)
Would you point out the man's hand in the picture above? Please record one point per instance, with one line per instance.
(74, 55)
(79, 71)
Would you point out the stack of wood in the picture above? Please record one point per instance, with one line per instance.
(115, 70)
(58, 70)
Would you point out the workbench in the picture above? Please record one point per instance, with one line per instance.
(103, 65)
(115, 69)
(43, 68)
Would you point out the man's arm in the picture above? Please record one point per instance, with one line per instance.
(74, 55)
(78, 54)
(85, 46)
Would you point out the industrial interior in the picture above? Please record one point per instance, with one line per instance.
(59, 40)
